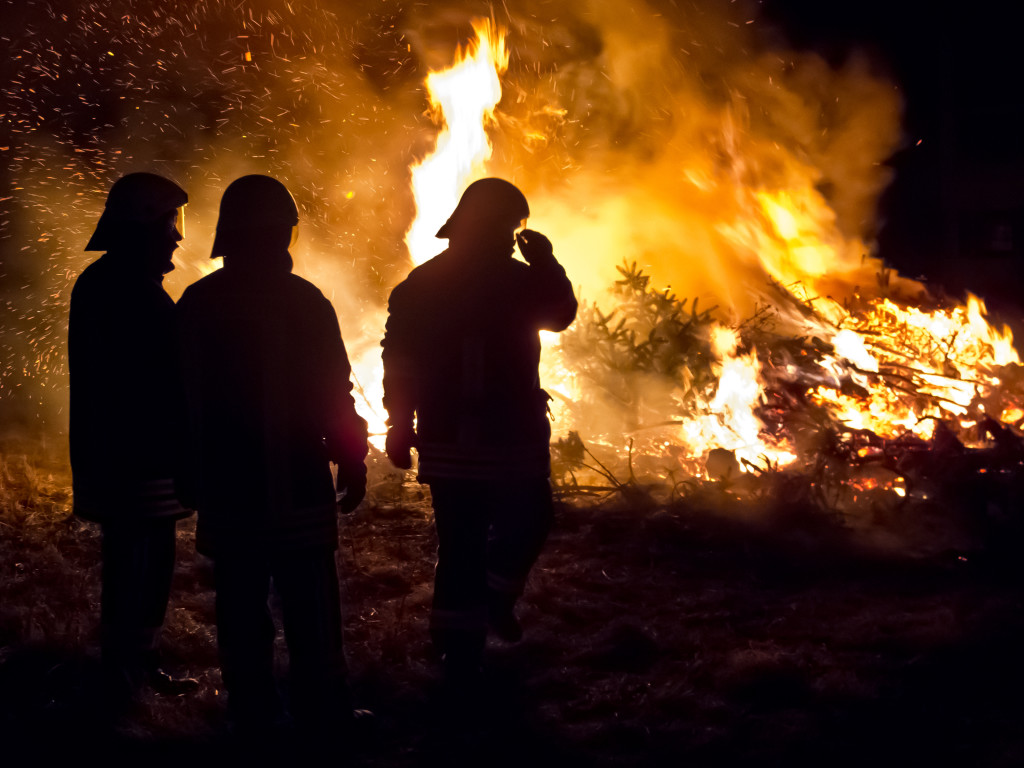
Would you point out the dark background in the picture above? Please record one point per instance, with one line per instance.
(955, 211)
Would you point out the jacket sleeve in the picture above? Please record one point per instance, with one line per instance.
(188, 432)
(554, 304)
(400, 379)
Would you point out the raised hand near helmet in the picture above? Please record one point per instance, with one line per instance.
(534, 246)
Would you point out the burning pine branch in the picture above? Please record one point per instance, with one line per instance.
(870, 398)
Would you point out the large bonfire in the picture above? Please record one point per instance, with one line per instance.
(713, 198)
(649, 390)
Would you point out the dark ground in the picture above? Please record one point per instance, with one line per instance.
(703, 633)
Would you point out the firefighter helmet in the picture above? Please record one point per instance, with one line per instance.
(251, 203)
(487, 202)
(138, 198)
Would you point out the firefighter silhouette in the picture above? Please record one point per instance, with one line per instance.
(461, 353)
(269, 407)
(122, 359)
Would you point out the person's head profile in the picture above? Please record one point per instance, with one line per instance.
(142, 222)
(257, 224)
(486, 217)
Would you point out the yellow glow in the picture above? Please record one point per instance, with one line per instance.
(792, 232)
(1011, 415)
(463, 98)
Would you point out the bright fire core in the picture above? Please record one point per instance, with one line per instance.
(888, 368)
(732, 173)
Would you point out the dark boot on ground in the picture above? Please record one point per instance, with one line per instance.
(161, 681)
(167, 684)
(501, 617)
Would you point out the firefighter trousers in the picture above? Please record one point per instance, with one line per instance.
(489, 534)
(306, 583)
(138, 564)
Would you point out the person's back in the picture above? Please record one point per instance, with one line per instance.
(471, 327)
(461, 385)
(270, 379)
(269, 407)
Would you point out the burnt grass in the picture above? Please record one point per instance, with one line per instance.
(707, 632)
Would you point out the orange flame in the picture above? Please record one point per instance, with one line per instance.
(463, 97)
(730, 421)
(791, 232)
(953, 353)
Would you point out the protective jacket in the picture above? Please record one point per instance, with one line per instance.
(121, 355)
(461, 351)
(268, 394)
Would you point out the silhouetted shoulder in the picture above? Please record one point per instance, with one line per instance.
(223, 282)
(92, 286)
(102, 277)
(304, 289)
(202, 286)
(446, 269)
(435, 268)
(96, 272)
(429, 273)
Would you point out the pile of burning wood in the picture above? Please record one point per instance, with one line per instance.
(870, 409)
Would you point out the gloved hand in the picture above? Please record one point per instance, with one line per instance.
(355, 491)
(398, 446)
(534, 246)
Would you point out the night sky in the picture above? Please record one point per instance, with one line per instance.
(960, 68)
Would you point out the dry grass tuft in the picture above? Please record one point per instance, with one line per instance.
(712, 630)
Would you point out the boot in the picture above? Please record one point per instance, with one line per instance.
(168, 685)
(501, 617)
(462, 669)
(162, 682)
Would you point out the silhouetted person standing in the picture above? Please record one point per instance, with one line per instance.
(269, 407)
(122, 358)
(461, 354)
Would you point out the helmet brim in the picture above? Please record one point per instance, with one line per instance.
(103, 236)
(446, 229)
(488, 202)
(138, 198)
